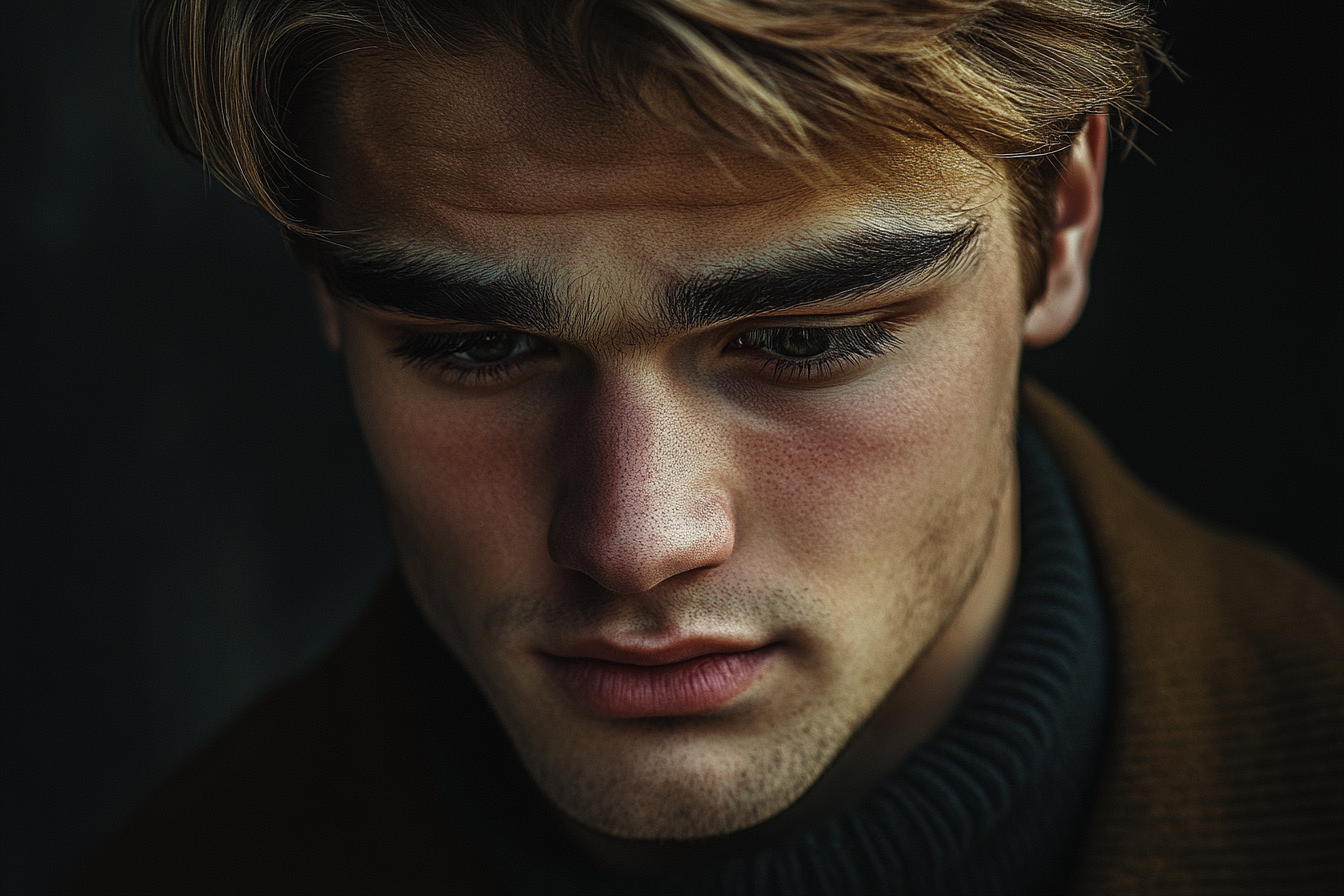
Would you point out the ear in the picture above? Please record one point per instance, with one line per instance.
(326, 307)
(1077, 220)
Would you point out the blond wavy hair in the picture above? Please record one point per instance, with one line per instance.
(801, 80)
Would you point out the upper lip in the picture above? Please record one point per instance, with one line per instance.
(661, 655)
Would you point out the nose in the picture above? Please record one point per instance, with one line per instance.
(638, 504)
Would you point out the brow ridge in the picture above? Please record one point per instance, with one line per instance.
(435, 286)
(424, 286)
(847, 267)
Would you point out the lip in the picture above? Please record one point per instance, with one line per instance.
(687, 678)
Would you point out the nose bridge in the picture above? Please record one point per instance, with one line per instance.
(638, 442)
(639, 504)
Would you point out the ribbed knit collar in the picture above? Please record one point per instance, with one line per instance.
(992, 803)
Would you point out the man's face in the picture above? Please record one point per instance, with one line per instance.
(687, 458)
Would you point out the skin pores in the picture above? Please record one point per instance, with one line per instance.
(620, 494)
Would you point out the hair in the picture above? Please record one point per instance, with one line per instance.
(1009, 81)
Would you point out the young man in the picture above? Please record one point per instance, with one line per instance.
(685, 339)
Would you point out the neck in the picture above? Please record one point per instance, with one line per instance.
(916, 707)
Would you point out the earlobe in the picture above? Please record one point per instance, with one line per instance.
(326, 307)
(1077, 220)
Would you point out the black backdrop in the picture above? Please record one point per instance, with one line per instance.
(187, 511)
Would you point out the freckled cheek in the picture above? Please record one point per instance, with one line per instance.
(826, 475)
(853, 483)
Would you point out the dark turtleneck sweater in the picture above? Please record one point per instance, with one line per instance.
(994, 802)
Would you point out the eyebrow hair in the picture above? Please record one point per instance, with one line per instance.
(435, 284)
(847, 267)
(438, 286)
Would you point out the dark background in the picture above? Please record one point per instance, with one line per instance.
(187, 510)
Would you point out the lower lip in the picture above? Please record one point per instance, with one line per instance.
(624, 691)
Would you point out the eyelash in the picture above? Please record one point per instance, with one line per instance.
(434, 351)
(848, 347)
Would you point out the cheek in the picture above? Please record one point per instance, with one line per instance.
(463, 481)
(859, 479)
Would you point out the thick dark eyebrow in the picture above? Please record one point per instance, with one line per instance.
(847, 267)
(433, 287)
(426, 287)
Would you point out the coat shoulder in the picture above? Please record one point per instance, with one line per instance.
(1224, 770)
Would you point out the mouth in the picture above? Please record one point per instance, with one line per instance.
(683, 679)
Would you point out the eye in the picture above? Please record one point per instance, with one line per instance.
(790, 342)
(481, 356)
(492, 347)
(814, 353)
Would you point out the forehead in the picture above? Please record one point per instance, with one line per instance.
(490, 155)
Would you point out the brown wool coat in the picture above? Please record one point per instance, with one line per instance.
(1223, 774)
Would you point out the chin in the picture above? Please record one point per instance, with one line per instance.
(683, 778)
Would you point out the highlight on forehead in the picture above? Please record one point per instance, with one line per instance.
(495, 101)
(468, 138)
